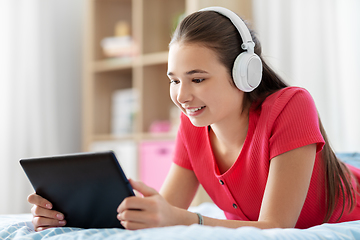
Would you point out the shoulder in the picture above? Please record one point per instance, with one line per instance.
(288, 94)
(293, 99)
(287, 107)
(290, 117)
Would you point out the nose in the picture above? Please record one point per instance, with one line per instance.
(184, 93)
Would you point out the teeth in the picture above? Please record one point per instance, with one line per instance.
(194, 109)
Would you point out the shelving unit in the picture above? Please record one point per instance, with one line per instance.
(151, 23)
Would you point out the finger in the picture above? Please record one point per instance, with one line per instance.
(139, 217)
(131, 203)
(133, 225)
(38, 200)
(47, 222)
(44, 228)
(41, 228)
(138, 204)
(141, 187)
(43, 212)
(137, 194)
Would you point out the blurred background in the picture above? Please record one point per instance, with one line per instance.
(90, 75)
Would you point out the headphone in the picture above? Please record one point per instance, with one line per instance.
(247, 69)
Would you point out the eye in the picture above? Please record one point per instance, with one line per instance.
(172, 81)
(198, 80)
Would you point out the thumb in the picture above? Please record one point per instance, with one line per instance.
(141, 187)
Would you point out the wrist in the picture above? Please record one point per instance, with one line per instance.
(201, 219)
(187, 218)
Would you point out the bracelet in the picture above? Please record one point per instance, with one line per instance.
(201, 219)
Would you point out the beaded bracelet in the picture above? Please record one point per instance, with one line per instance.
(201, 220)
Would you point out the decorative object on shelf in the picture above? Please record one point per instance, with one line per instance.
(124, 108)
(122, 44)
(160, 126)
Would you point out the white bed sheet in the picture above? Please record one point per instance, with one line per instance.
(20, 227)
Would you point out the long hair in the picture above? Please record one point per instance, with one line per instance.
(212, 30)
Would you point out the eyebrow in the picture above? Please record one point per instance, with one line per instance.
(189, 72)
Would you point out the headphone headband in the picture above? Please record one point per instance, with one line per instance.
(247, 67)
(248, 43)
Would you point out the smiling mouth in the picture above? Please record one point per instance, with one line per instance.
(194, 109)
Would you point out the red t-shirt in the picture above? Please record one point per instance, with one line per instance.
(286, 120)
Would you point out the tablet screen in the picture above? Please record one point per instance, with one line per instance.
(86, 187)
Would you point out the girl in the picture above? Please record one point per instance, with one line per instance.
(257, 147)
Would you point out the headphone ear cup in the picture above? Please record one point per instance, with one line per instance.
(247, 71)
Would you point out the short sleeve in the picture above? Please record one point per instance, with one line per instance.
(181, 155)
(295, 123)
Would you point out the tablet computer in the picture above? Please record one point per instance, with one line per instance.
(86, 187)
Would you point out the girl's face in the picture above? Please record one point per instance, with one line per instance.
(201, 86)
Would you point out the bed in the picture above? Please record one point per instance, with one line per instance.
(19, 226)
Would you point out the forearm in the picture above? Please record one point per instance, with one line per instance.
(237, 223)
(188, 218)
(180, 187)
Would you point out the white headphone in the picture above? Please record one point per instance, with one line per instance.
(247, 69)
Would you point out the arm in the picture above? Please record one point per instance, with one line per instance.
(285, 194)
(287, 186)
(179, 187)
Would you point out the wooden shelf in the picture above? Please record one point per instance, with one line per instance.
(155, 58)
(113, 64)
(151, 23)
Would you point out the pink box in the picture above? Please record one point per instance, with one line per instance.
(155, 162)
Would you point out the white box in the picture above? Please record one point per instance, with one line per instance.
(125, 151)
(124, 108)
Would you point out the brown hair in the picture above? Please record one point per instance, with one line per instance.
(216, 32)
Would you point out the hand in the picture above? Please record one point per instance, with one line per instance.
(43, 216)
(151, 210)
